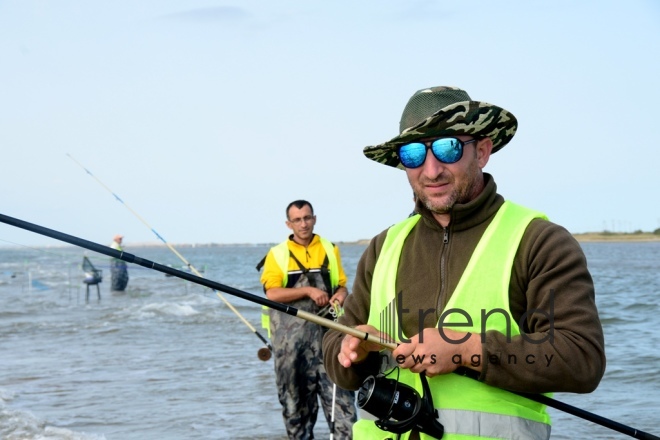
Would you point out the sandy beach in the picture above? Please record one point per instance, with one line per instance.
(616, 237)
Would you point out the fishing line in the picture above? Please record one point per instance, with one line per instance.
(47, 252)
(35, 282)
(264, 353)
(311, 317)
(33, 249)
(335, 311)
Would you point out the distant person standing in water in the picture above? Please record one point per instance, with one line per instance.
(118, 268)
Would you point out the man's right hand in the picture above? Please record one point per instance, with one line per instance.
(355, 350)
(319, 296)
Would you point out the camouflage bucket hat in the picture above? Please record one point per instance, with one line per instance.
(445, 111)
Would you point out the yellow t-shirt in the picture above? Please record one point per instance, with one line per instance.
(311, 257)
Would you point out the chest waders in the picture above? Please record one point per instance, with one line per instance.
(118, 272)
(467, 409)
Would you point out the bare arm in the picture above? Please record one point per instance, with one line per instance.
(289, 294)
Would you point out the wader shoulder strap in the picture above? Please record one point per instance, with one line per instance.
(324, 271)
(325, 274)
(302, 268)
(261, 263)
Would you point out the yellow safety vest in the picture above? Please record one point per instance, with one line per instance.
(467, 409)
(282, 254)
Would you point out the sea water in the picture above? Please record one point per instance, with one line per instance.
(168, 359)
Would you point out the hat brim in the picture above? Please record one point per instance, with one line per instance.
(473, 118)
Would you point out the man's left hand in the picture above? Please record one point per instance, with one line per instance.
(429, 352)
(339, 296)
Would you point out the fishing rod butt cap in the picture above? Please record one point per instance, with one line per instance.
(264, 354)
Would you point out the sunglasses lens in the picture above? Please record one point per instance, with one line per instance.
(412, 155)
(447, 150)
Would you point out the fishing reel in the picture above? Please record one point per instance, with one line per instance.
(398, 407)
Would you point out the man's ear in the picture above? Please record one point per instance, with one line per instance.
(484, 149)
(288, 224)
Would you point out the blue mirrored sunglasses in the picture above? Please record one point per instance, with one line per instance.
(446, 150)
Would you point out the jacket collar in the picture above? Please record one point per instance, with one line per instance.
(315, 238)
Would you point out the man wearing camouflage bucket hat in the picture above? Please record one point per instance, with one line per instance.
(446, 111)
(480, 286)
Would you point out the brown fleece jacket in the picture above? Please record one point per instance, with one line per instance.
(549, 280)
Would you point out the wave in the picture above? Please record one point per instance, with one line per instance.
(16, 424)
(168, 309)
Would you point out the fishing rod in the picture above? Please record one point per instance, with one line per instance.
(130, 258)
(263, 353)
(569, 409)
(328, 323)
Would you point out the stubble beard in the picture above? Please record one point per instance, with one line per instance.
(462, 193)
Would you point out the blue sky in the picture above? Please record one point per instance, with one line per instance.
(208, 117)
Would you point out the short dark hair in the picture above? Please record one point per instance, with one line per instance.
(300, 204)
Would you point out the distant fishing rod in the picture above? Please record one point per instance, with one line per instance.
(130, 258)
(264, 353)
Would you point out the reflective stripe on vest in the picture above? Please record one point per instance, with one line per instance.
(282, 255)
(468, 409)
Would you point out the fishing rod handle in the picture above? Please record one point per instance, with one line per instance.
(344, 329)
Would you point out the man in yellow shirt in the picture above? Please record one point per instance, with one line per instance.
(305, 271)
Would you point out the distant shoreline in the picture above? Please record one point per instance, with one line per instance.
(584, 237)
(616, 237)
(590, 237)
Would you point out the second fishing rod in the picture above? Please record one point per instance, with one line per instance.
(423, 407)
(263, 353)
